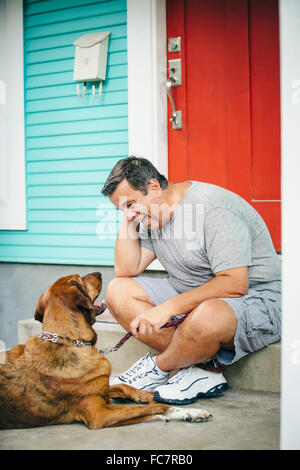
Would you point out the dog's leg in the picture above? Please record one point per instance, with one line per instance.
(192, 415)
(127, 392)
(96, 413)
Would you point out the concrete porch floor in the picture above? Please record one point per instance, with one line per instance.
(242, 420)
(246, 417)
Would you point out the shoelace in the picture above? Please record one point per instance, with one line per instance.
(133, 372)
(180, 375)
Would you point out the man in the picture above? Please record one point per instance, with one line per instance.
(222, 270)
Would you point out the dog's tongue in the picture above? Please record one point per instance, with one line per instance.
(99, 307)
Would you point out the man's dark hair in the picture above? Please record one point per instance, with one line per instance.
(137, 171)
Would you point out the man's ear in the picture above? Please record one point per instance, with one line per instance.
(154, 185)
(40, 309)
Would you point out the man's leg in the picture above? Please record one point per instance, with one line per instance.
(126, 299)
(199, 337)
(208, 327)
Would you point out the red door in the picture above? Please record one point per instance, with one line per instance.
(230, 100)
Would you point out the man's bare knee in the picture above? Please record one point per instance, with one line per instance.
(213, 318)
(122, 290)
(116, 290)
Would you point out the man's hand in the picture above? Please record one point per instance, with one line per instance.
(130, 258)
(151, 321)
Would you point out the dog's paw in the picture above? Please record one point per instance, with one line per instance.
(145, 397)
(192, 415)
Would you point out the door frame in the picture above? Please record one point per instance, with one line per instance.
(147, 76)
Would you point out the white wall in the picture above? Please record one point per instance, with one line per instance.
(290, 122)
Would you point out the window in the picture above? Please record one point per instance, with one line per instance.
(12, 145)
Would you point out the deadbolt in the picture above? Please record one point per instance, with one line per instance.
(174, 44)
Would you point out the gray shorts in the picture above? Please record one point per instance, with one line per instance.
(258, 315)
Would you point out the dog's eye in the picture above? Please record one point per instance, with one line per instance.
(79, 287)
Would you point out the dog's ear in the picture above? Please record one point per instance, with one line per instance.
(83, 302)
(40, 309)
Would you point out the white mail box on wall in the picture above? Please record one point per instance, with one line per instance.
(91, 59)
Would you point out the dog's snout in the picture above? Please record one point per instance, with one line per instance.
(95, 273)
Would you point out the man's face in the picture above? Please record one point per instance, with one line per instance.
(148, 209)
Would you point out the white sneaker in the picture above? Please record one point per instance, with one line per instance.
(143, 375)
(189, 384)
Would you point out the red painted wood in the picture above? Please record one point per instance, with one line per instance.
(230, 100)
(177, 142)
(238, 118)
(265, 99)
(265, 114)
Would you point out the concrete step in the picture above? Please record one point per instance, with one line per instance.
(259, 371)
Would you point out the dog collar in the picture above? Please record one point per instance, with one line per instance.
(54, 338)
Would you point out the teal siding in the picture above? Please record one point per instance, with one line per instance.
(71, 143)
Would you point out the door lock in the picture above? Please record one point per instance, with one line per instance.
(176, 114)
(175, 71)
(174, 80)
(174, 44)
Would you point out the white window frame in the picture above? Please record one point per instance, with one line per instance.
(12, 135)
(147, 76)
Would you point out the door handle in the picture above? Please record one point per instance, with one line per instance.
(176, 114)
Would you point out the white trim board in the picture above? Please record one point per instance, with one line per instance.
(12, 136)
(147, 76)
(289, 19)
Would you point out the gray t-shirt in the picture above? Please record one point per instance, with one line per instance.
(212, 230)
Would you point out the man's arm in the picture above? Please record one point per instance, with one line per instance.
(229, 283)
(130, 258)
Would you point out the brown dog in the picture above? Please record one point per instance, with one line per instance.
(60, 377)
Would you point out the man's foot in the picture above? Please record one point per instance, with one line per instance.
(144, 375)
(189, 384)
